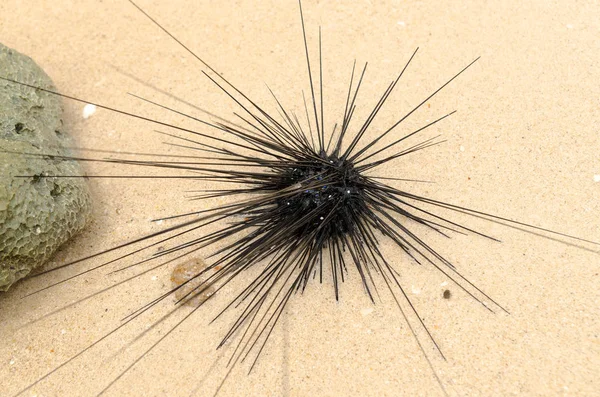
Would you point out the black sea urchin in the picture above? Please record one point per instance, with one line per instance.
(306, 203)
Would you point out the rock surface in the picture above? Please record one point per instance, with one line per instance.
(37, 214)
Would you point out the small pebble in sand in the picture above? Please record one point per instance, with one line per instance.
(367, 311)
(88, 110)
(186, 271)
(447, 294)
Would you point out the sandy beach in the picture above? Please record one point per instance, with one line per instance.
(523, 144)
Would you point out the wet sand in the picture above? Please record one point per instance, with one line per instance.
(523, 144)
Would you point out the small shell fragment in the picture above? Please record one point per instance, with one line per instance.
(189, 270)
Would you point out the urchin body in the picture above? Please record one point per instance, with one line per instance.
(330, 207)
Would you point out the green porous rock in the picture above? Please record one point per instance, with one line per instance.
(37, 214)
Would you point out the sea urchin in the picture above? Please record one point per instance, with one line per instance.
(306, 202)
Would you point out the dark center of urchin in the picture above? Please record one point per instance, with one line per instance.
(320, 197)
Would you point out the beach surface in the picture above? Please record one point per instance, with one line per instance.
(523, 144)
